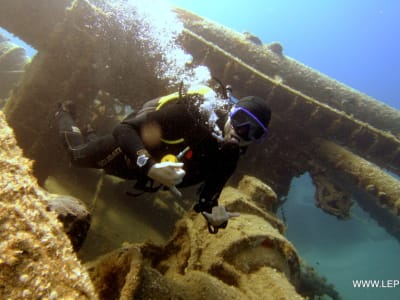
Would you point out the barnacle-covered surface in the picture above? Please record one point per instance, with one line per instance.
(252, 260)
(36, 257)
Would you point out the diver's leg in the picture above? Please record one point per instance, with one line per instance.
(73, 140)
(90, 134)
(67, 128)
(72, 137)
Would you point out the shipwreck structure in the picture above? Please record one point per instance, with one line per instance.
(249, 262)
(346, 140)
(342, 137)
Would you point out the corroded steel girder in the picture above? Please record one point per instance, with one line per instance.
(376, 191)
(32, 21)
(296, 114)
(360, 172)
(296, 110)
(266, 59)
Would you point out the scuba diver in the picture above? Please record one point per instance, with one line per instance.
(175, 141)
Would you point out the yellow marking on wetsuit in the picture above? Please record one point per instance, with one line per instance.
(173, 142)
(165, 99)
(202, 90)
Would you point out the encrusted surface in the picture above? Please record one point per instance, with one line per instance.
(250, 259)
(36, 257)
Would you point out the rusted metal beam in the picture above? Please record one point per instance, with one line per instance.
(32, 21)
(298, 115)
(376, 191)
(267, 59)
(295, 110)
(361, 172)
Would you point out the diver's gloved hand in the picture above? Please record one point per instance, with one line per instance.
(204, 205)
(167, 173)
(218, 218)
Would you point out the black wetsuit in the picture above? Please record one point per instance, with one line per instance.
(182, 124)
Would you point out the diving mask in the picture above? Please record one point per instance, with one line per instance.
(247, 126)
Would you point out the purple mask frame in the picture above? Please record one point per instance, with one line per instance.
(252, 119)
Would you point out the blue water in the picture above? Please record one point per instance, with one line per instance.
(342, 251)
(357, 43)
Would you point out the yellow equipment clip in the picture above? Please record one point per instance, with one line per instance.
(170, 158)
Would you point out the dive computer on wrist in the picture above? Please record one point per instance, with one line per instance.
(142, 160)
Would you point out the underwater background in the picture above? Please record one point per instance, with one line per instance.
(354, 42)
